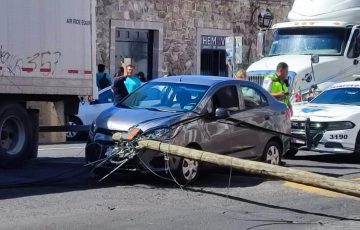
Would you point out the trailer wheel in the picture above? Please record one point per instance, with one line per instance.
(15, 135)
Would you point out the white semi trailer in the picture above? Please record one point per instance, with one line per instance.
(328, 31)
(47, 53)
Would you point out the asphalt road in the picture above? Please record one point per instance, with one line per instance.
(75, 200)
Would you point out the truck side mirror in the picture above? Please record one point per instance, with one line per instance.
(260, 44)
(315, 59)
(357, 47)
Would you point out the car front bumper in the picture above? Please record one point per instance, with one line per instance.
(323, 142)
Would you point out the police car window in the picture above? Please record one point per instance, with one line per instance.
(226, 97)
(253, 98)
(341, 96)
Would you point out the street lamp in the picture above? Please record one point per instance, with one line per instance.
(265, 19)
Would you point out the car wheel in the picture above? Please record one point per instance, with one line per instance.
(73, 135)
(291, 153)
(272, 153)
(187, 171)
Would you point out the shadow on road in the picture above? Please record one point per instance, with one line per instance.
(265, 205)
(59, 175)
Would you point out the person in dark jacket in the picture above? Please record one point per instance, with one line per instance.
(119, 87)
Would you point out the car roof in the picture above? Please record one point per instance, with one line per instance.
(348, 84)
(195, 79)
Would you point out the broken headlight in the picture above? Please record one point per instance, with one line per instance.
(159, 133)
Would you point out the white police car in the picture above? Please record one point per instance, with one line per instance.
(330, 122)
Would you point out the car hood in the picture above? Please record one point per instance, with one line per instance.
(121, 119)
(324, 112)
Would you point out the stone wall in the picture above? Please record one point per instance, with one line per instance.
(181, 19)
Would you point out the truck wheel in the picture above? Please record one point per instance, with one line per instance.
(73, 135)
(15, 135)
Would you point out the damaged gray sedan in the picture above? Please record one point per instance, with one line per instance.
(198, 112)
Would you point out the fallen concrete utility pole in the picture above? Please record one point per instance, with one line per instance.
(258, 168)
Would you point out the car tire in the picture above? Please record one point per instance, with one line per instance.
(72, 135)
(291, 153)
(15, 135)
(272, 153)
(187, 171)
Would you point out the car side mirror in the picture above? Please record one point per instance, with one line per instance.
(221, 113)
(315, 59)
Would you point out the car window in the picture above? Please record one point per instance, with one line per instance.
(354, 46)
(106, 96)
(253, 98)
(341, 96)
(226, 97)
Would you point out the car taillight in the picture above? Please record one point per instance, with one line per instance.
(298, 97)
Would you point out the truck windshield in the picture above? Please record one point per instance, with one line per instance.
(321, 41)
(341, 96)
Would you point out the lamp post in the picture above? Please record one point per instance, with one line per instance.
(265, 19)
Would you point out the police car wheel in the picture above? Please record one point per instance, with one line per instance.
(357, 148)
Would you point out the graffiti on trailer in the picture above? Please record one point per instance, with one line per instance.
(43, 62)
(10, 64)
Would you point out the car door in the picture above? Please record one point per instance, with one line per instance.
(89, 111)
(218, 133)
(251, 142)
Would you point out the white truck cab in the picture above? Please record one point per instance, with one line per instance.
(326, 30)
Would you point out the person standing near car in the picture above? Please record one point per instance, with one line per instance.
(241, 75)
(103, 79)
(277, 84)
(132, 82)
(118, 86)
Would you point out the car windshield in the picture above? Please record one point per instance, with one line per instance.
(343, 96)
(170, 97)
(321, 41)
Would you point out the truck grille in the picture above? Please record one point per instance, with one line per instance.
(259, 79)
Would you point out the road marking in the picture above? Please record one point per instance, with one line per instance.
(319, 191)
(62, 148)
(357, 178)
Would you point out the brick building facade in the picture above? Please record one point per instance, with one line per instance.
(170, 36)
